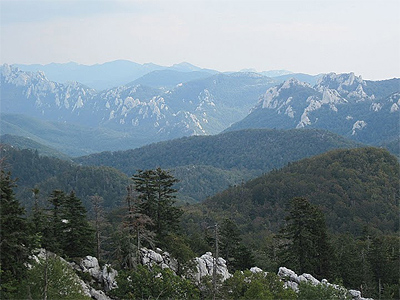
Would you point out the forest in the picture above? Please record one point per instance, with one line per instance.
(333, 216)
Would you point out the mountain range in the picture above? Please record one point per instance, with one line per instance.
(185, 100)
(365, 111)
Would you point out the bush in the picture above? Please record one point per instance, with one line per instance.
(308, 291)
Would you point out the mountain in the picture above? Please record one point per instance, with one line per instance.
(168, 78)
(310, 79)
(139, 112)
(357, 190)
(208, 164)
(365, 111)
(103, 76)
(155, 108)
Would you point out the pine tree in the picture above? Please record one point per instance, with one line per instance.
(14, 237)
(78, 237)
(135, 232)
(53, 229)
(307, 248)
(157, 196)
(237, 255)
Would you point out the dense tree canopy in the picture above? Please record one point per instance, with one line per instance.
(306, 247)
(14, 238)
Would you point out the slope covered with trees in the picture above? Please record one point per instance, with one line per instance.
(355, 188)
(48, 173)
(231, 157)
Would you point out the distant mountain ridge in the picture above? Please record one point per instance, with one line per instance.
(366, 111)
(106, 75)
(167, 104)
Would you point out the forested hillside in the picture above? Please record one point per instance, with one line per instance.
(231, 157)
(357, 190)
(275, 220)
(21, 142)
(48, 173)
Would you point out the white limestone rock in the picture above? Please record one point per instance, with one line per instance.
(205, 267)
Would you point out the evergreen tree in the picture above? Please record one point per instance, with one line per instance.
(237, 255)
(307, 248)
(78, 238)
(157, 196)
(53, 230)
(14, 237)
(134, 232)
(67, 231)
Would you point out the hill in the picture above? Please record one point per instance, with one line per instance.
(27, 143)
(232, 156)
(357, 190)
(50, 173)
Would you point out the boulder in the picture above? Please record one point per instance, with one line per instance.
(90, 265)
(292, 280)
(108, 277)
(159, 258)
(205, 267)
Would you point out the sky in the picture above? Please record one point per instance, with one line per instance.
(307, 36)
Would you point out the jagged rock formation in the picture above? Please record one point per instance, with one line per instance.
(159, 258)
(104, 279)
(366, 111)
(205, 267)
(204, 106)
(292, 280)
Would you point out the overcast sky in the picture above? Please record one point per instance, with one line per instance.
(309, 36)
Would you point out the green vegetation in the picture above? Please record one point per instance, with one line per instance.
(156, 283)
(47, 174)
(51, 278)
(70, 139)
(156, 196)
(307, 248)
(248, 285)
(355, 189)
(27, 143)
(209, 164)
(308, 291)
(14, 243)
(278, 218)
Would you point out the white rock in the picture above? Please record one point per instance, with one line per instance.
(108, 276)
(255, 270)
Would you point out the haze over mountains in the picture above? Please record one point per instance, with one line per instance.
(184, 100)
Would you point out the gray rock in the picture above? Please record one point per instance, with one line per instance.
(292, 280)
(205, 267)
(159, 258)
(108, 277)
(90, 265)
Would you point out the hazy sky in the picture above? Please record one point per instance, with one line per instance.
(306, 36)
